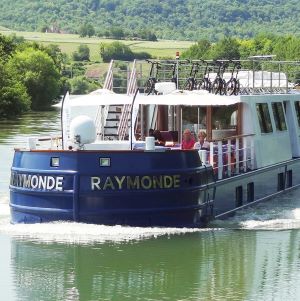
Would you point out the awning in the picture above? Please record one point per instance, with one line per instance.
(178, 97)
(189, 98)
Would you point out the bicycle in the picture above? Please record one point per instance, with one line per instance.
(205, 82)
(219, 84)
(152, 80)
(191, 83)
(233, 85)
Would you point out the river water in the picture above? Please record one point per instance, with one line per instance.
(252, 256)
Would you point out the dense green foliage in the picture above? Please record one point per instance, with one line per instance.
(120, 51)
(86, 30)
(177, 19)
(29, 76)
(81, 85)
(283, 47)
(14, 98)
(83, 53)
(37, 71)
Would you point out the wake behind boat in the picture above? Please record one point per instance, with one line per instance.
(105, 169)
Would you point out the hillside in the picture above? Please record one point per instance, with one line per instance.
(176, 19)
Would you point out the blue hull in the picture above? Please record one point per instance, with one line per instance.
(134, 188)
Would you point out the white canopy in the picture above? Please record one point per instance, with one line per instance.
(189, 98)
(178, 97)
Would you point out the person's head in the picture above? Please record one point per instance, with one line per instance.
(151, 133)
(201, 136)
(157, 135)
(187, 135)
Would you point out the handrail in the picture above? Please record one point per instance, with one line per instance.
(131, 88)
(101, 114)
(235, 158)
(231, 137)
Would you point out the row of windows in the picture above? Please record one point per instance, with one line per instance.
(265, 119)
(284, 180)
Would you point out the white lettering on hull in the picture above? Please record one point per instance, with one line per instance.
(135, 182)
(38, 182)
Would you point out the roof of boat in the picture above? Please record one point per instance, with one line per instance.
(177, 97)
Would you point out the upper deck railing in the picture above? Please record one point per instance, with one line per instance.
(259, 75)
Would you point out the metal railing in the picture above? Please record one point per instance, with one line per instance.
(256, 76)
(125, 116)
(230, 157)
(102, 111)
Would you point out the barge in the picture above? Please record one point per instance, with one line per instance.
(105, 169)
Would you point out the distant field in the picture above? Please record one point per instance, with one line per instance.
(70, 42)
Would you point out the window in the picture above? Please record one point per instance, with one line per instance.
(280, 181)
(238, 196)
(250, 192)
(289, 180)
(264, 117)
(279, 116)
(297, 108)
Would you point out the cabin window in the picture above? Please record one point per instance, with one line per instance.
(250, 192)
(279, 116)
(194, 118)
(264, 117)
(280, 181)
(297, 108)
(289, 179)
(238, 196)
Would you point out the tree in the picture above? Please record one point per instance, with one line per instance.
(7, 47)
(116, 51)
(83, 53)
(227, 49)
(117, 33)
(14, 99)
(37, 71)
(198, 50)
(81, 85)
(59, 58)
(86, 30)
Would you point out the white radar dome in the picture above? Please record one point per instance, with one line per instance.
(82, 129)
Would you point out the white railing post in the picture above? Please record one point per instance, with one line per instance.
(211, 154)
(237, 156)
(244, 153)
(252, 153)
(229, 157)
(220, 160)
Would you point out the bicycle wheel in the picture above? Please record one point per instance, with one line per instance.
(148, 87)
(237, 87)
(208, 85)
(230, 87)
(200, 85)
(216, 86)
(222, 87)
(188, 85)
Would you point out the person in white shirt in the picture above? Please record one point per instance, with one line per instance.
(202, 143)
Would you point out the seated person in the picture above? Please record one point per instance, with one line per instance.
(202, 143)
(159, 141)
(188, 140)
(151, 133)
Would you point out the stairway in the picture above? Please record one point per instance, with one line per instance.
(112, 123)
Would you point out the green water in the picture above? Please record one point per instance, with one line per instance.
(253, 256)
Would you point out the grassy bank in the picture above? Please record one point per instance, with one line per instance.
(70, 42)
